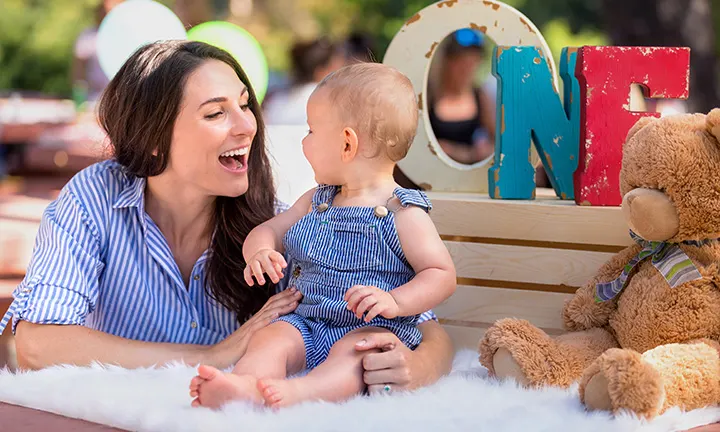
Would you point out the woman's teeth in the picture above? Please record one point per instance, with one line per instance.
(239, 152)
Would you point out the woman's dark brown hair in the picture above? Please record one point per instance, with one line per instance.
(138, 111)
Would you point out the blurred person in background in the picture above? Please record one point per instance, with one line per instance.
(88, 78)
(311, 62)
(461, 114)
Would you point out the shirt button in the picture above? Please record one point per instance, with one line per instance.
(196, 277)
(193, 324)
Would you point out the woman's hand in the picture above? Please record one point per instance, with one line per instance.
(395, 365)
(229, 351)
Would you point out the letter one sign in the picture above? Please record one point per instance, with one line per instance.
(578, 140)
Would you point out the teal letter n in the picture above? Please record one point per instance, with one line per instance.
(529, 107)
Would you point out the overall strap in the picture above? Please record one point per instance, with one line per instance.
(413, 197)
(324, 194)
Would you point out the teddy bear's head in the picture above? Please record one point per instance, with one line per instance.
(670, 177)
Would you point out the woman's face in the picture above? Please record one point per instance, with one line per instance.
(213, 133)
(461, 67)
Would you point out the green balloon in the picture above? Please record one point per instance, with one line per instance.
(241, 45)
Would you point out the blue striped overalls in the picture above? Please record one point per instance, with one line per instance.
(330, 250)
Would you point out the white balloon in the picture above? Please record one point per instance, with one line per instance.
(130, 25)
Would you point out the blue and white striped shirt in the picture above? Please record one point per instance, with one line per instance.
(100, 261)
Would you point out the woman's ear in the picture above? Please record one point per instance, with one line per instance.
(350, 145)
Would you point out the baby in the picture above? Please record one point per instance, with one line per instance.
(363, 251)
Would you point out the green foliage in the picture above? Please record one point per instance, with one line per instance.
(36, 42)
(37, 36)
(567, 22)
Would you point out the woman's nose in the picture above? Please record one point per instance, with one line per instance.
(243, 123)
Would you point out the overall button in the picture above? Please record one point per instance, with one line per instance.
(381, 211)
(196, 277)
(296, 272)
(322, 207)
(193, 324)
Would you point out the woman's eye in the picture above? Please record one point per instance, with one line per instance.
(214, 115)
(245, 107)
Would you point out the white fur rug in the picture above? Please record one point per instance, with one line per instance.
(158, 400)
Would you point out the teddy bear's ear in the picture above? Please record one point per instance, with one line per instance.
(644, 121)
(713, 123)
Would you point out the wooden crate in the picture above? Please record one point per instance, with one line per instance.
(513, 258)
(520, 259)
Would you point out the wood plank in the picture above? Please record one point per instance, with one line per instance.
(464, 337)
(525, 264)
(16, 417)
(543, 219)
(482, 306)
(469, 337)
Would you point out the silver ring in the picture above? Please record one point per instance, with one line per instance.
(387, 388)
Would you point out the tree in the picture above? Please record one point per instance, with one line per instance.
(36, 43)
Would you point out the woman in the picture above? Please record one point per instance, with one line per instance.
(139, 260)
(461, 114)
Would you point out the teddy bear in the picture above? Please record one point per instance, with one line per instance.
(642, 335)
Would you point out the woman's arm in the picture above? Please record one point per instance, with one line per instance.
(42, 345)
(401, 368)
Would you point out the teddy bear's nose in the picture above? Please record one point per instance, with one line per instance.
(651, 214)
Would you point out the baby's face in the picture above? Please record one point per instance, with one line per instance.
(324, 142)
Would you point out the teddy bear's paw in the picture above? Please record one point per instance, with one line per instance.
(620, 380)
(514, 348)
(506, 366)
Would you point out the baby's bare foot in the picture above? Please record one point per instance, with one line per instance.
(281, 393)
(212, 388)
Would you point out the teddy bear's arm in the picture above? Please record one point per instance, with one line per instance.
(582, 312)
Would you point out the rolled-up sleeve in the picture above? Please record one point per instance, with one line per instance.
(427, 316)
(61, 283)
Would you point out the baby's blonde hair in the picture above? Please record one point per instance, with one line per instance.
(378, 102)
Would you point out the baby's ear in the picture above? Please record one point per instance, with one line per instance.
(712, 121)
(644, 121)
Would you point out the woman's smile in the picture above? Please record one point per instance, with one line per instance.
(235, 161)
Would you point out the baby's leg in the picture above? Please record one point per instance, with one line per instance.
(338, 378)
(273, 352)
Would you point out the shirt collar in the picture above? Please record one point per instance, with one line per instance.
(132, 194)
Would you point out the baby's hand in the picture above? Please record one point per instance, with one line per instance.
(373, 300)
(265, 261)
